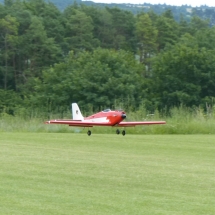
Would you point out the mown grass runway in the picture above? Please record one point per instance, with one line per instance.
(57, 173)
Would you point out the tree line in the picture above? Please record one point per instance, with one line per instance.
(102, 57)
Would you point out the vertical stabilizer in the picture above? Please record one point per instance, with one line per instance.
(76, 113)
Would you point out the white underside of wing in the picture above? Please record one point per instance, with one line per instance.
(101, 119)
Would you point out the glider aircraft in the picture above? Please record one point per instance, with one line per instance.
(106, 117)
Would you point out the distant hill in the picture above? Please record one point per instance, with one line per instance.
(187, 11)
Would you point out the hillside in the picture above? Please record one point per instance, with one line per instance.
(204, 12)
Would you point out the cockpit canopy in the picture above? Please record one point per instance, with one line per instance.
(106, 110)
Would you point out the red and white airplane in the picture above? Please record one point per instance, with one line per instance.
(106, 117)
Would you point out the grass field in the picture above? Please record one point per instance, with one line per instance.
(55, 173)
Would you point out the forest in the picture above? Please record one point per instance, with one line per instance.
(102, 57)
(187, 11)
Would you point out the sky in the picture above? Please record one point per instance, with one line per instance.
(194, 3)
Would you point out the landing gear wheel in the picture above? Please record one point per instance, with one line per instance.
(89, 133)
(117, 131)
(123, 132)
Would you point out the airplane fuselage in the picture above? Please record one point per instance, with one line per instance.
(103, 118)
(107, 117)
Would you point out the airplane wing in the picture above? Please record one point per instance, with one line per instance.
(76, 123)
(132, 124)
(79, 123)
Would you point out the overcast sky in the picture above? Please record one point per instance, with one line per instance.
(193, 3)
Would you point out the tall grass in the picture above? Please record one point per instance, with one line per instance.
(180, 120)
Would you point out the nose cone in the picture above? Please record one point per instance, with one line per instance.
(123, 116)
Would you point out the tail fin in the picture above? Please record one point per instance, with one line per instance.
(76, 113)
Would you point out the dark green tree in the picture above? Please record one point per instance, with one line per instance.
(100, 78)
(9, 38)
(38, 52)
(197, 24)
(102, 22)
(184, 74)
(123, 25)
(167, 30)
(79, 31)
(50, 16)
(146, 35)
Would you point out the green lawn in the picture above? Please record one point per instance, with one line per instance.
(55, 173)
